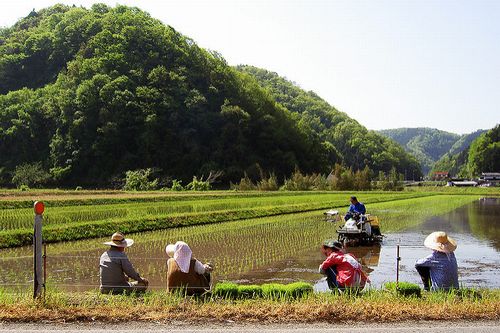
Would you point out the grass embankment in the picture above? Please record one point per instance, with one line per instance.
(63, 223)
(482, 191)
(378, 305)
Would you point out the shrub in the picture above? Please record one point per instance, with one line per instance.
(268, 184)
(245, 184)
(24, 188)
(391, 182)
(31, 175)
(139, 180)
(301, 182)
(198, 185)
(177, 185)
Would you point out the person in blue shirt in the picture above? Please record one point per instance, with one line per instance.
(355, 207)
(439, 270)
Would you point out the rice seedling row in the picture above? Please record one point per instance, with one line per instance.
(11, 219)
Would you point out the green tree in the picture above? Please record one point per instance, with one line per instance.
(140, 180)
(484, 153)
(30, 174)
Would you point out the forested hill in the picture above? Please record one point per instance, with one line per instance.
(428, 145)
(90, 93)
(352, 143)
(480, 155)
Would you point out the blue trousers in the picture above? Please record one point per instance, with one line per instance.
(331, 278)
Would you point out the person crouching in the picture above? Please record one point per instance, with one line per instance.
(342, 270)
(185, 273)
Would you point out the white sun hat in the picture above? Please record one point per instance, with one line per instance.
(181, 252)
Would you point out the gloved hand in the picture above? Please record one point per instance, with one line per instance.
(209, 267)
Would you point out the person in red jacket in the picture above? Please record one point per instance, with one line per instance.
(342, 269)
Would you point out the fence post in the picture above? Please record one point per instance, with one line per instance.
(398, 259)
(37, 249)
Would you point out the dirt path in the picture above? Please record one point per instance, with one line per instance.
(404, 327)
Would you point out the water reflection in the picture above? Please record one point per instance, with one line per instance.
(473, 226)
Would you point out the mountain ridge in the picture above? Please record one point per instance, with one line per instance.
(429, 145)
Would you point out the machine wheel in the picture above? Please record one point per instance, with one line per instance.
(341, 238)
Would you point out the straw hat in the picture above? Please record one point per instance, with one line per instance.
(440, 241)
(118, 240)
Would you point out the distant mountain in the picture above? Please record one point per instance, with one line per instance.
(349, 142)
(429, 145)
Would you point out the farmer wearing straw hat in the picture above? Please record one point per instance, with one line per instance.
(116, 268)
(185, 273)
(439, 269)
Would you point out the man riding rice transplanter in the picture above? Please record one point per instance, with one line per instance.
(356, 207)
(342, 270)
(440, 268)
(185, 272)
(116, 269)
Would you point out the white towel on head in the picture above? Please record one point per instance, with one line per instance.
(182, 256)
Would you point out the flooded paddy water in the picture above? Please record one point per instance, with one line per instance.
(282, 249)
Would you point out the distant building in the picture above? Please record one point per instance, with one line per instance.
(441, 175)
(490, 179)
(490, 176)
(463, 183)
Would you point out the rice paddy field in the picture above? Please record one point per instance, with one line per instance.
(257, 240)
(67, 218)
(250, 237)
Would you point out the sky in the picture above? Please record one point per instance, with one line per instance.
(386, 63)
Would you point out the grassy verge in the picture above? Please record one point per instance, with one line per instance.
(378, 305)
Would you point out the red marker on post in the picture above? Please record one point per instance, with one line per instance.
(39, 207)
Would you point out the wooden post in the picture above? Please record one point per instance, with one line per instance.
(37, 249)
